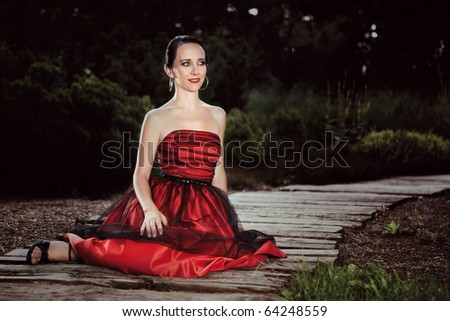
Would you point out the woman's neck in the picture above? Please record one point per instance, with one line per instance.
(186, 99)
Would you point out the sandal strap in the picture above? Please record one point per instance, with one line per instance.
(43, 246)
(70, 254)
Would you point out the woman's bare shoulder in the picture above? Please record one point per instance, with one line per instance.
(159, 113)
(216, 110)
(219, 115)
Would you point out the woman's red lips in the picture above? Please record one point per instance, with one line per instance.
(194, 80)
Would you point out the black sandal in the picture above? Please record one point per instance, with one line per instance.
(43, 246)
(78, 260)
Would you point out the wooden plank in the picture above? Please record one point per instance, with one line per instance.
(226, 285)
(289, 266)
(358, 208)
(289, 208)
(267, 203)
(67, 278)
(312, 220)
(84, 269)
(317, 203)
(73, 273)
(403, 189)
(293, 263)
(299, 221)
(407, 186)
(292, 230)
(226, 281)
(78, 292)
(327, 192)
(337, 208)
(412, 180)
(311, 252)
(12, 259)
(304, 200)
(304, 243)
(297, 259)
(429, 179)
(302, 234)
(18, 252)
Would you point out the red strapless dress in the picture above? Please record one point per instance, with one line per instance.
(204, 232)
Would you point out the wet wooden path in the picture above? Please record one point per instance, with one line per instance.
(306, 220)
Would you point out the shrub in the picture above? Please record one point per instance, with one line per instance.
(407, 111)
(59, 125)
(406, 150)
(307, 108)
(242, 139)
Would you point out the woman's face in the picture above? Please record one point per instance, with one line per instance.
(189, 67)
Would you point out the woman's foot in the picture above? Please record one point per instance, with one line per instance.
(57, 251)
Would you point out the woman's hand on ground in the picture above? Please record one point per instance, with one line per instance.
(153, 223)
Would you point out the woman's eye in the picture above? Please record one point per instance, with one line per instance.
(202, 62)
(185, 64)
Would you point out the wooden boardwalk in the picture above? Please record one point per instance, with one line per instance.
(306, 220)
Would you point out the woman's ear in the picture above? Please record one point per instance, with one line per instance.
(169, 71)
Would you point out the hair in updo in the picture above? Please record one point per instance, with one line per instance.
(171, 51)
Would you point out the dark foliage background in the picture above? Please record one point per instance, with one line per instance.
(76, 74)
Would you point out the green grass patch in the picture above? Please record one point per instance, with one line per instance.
(371, 283)
(391, 228)
(439, 236)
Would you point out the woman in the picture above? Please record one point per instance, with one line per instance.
(181, 223)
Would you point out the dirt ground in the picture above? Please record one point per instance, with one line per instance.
(22, 222)
(417, 243)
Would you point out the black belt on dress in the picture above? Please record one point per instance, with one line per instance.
(185, 180)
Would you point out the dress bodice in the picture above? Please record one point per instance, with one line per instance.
(189, 154)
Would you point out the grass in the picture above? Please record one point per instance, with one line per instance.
(391, 228)
(439, 236)
(372, 283)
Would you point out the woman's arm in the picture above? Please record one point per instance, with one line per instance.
(220, 176)
(148, 144)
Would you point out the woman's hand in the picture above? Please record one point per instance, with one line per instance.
(153, 223)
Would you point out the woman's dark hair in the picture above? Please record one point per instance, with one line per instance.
(171, 51)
